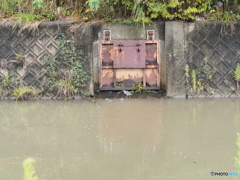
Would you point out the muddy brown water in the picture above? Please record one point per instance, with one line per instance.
(119, 139)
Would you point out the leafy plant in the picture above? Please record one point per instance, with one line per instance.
(127, 21)
(225, 17)
(20, 59)
(29, 169)
(207, 70)
(18, 55)
(129, 10)
(237, 74)
(10, 80)
(28, 18)
(174, 9)
(212, 92)
(65, 86)
(140, 13)
(197, 85)
(73, 76)
(48, 14)
(94, 4)
(51, 71)
(37, 4)
(139, 86)
(75, 64)
(204, 75)
(24, 92)
(6, 80)
(187, 70)
(199, 78)
(118, 85)
(194, 81)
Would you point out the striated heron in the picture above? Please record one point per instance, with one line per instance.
(128, 94)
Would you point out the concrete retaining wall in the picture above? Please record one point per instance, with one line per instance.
(180, 44)
(211, 49)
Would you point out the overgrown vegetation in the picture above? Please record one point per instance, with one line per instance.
(139, 86)
(65, 86)
(73, 77)
(7, 85)
(66, 77)
(24, 92)
(196, 81)
(11, 85)
(237, 74)
(127, 11)
(29, 169)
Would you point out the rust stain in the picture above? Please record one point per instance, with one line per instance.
(107, 55)
(151, 54)
(129, 62)
(129, 54)
(107, 77)
(134, 75)
(151, 77)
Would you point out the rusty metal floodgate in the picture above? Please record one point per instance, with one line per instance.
(129, 64)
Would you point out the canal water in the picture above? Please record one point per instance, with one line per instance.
(119, 139)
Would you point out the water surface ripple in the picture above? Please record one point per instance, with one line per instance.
(120, 139)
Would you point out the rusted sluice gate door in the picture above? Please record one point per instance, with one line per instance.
(129, 64)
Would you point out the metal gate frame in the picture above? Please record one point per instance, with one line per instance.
(135, 61)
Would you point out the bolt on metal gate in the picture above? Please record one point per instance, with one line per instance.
(129, 64)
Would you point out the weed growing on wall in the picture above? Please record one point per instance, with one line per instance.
(29, 169)
(75, 63)
(206, 72)
(51, 67)
(187, 77)
(194, 81)
(139, 86)
(7, 85)
(11, 86)
(65, 86)
(199, 79)
(24, 92)
(73, 76)
(237, 74)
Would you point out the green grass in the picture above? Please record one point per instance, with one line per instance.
(237, 73)
(128, 11)
(28, 18)
(65, 88)
(24, 92)
(29, 169)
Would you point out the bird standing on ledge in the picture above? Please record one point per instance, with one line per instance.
(128, 94)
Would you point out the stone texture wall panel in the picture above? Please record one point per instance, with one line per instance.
(213, 41)
(35, 46)
(181, 44)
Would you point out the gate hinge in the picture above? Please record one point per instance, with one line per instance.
(150, 35)
(107, 35)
